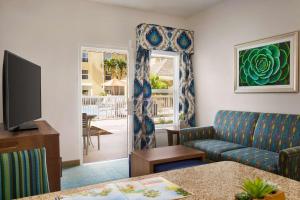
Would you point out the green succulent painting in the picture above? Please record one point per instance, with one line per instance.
(265, 65)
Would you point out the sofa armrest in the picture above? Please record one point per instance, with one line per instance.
(196, 133)
(289, 163)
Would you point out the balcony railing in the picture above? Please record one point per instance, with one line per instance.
(163, 105)
(115, 107)
(105, 107)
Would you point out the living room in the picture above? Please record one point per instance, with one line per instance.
(237, 77)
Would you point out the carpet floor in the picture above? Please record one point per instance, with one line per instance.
(94, 173)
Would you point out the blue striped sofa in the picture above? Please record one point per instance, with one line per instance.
(23, 173)
(267, 141)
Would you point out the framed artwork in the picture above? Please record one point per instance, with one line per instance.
(267, 65)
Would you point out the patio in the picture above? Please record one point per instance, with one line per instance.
(111, 115)
(113, 146)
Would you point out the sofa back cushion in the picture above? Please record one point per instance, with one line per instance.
(234, 126)
(275, 132)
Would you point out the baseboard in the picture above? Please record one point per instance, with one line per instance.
(70, 163)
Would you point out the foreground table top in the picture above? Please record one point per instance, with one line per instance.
(216, 181)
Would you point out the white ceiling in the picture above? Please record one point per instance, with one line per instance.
(181, 8)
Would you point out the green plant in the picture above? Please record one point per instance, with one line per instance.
(170, 121)
(242, 196)
(161, 120)
(156, 83)
(181, 116)
(256, 189)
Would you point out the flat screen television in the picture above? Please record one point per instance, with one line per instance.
(21, 92)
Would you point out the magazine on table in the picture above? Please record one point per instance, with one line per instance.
(157, 188)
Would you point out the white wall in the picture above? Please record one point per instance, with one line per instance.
(49, 33)
(217, 30)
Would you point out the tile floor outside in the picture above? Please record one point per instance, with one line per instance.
(113, 146)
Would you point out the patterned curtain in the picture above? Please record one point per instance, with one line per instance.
(153, 37)
(143, 124)
(187, 90)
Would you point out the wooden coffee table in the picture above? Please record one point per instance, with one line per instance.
(143, 161)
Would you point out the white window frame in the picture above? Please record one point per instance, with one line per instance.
(85, 74)
(175, 56)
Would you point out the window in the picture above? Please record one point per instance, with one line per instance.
(85, 56)
(85, 92)
(107, 55)
(85, 74)
(164, 81)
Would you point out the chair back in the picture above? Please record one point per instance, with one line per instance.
(85, 124)
(84, 120)
(23, 174)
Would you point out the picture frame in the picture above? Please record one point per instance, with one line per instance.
(267, 65)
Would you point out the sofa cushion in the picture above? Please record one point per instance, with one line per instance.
(262, 159)
(275, 132)
(236, 127)
(213, 148)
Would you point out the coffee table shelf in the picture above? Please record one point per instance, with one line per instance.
(143, 161)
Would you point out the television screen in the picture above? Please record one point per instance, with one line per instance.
(21, 91)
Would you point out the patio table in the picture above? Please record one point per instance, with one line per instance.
(97, 130)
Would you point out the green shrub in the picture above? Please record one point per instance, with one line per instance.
(156, 83)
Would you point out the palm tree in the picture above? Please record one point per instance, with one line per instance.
(122, 68)
(110, 66)
(107, 66)
(117, 67)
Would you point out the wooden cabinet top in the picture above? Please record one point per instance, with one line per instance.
(43, 129)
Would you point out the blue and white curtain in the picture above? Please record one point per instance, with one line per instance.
(153, 37)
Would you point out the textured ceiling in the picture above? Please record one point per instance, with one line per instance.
(181, 8)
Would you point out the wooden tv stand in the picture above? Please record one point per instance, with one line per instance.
(44, 136)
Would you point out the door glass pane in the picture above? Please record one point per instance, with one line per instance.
(162, 79)
(104, 101)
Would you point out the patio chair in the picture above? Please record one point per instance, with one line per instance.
(85, 132)
(89, 131)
